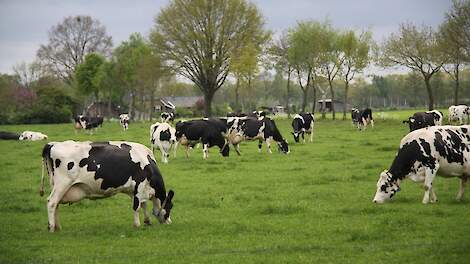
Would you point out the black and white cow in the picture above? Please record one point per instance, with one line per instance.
(166, 117)
(258, 114)
(362, 117)
(240, 129)
(79, 170)
(459, 113)
(162, 136)
(9, 135)
(124, 120)
(303, 123)
(424, 119)
(88, 122)
(423, 153)
(210, 132)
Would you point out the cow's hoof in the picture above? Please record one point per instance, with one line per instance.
(51, 229)
(147, 222)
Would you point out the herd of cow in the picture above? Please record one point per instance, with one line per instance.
(93, 170)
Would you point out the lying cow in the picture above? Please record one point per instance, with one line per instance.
(32, 136)
(210, 132)
(362, 117)
(459, 113)
(265, 129)
(423, 153)
(124, 121)
(162, 135)
(9, 135)
(303, 123)
(424, 119)
(79, 170)
(167, 117)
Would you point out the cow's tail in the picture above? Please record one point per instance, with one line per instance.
(46, 158)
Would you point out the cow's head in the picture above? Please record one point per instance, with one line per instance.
(386, 188)
(163, 212)
(283, 146)
(411, 123)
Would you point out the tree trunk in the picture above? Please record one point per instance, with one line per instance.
(152, 104)
(131, 105)
(304, 98)
(237, 102)
(345, 106)
(314, 97)
(457, 85)
(330, 82)
(288, 93)
(208, 96)
(427, 81)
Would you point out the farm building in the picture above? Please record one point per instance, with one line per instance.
(169, 103)
(324, 105)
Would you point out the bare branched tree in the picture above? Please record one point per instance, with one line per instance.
(70, 41)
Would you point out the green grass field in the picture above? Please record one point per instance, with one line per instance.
(311, 206)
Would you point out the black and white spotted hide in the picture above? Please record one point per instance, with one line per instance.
(93, 170)
(425, 153)
(424, 119)
(265, 129)
(361, 118)
(210, 132)
(301, 124)
(167, 117)
(162, 136)
(124, 120)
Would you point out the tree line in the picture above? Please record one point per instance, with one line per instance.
(226, 55)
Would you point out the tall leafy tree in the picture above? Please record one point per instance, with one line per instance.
(333, 58)
(86, 74)
(198, 38)
(306, 55)
(416, 49)
(356, 50)
(454, 47)
(128, 56)
(279, 51)
(70, 41)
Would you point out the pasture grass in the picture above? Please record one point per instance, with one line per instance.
(311, 206)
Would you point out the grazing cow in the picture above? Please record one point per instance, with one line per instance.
(303, 123)
(124, 120)
(210, 132)
(162, 135)
(362, 117)
(251, 129)
(460, 113)
(424, 119)
(79, 170)
(9, 135)
(32, 136)
(423, 153)
(167, 117)
(87, 122)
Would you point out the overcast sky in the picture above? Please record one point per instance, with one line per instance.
(24, 24)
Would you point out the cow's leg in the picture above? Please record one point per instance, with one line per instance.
(433, 196)
(175, 148)
(311, 134)
(463, 184)
(56, 216)
(237, 148)
(136, 208)
(364, 124)
(372, 122)
(53, 201)
(303, 136)
(260, 144)
(268, 145)
(146, 215)
(428, 179)
(205, 149)
(186, 151)
(163, 152)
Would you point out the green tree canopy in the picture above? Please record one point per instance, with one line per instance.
(198, 39)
